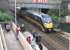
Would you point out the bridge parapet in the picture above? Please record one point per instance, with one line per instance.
(2, 40)
(49, 4)
(22, 39)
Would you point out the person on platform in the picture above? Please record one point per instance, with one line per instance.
(17, 31)
(22, 28)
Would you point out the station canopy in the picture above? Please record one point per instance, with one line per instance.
(49, 4)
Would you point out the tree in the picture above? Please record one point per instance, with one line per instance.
(54, 13)
(4, 17)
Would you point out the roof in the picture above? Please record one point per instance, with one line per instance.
(34, 12)
(37, 13)
(50, 4)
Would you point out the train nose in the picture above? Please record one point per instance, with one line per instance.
(48, 25)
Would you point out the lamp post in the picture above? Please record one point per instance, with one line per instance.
(59, 13)
(15, 13)
(69, 7)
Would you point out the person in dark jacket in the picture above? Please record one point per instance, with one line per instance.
(37, 39)
(40, 46)
(22, 28)
(7, 27)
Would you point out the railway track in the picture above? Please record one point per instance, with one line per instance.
(56, 41)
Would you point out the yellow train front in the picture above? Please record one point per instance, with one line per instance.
(48, 26)
(47, 23)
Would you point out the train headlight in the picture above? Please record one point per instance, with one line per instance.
(45, 24)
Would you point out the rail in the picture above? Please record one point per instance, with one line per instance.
(3, 39)
(22, 39)
(1, 45)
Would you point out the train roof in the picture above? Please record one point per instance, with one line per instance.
(37, 13)
(34, 12)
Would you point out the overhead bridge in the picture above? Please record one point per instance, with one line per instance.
(49, 4)
(34, 5)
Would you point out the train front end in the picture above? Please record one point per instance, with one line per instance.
(48, 26)
(47, 23)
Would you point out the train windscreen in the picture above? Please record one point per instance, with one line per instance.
(46, 18)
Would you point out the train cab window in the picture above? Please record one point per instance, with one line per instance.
(30, 15)
(46, 18)
(35, 18)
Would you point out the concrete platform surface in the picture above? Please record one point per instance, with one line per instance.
(12, 42)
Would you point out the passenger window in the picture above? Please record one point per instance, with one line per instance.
(30, 15)
(37, 19)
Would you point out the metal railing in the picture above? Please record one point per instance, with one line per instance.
(22, 39)
(1, 44)
(3, 39)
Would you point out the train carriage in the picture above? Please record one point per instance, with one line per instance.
(44, 21)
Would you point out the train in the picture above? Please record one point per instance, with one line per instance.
(44, 21)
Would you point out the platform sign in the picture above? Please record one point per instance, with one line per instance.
(40, 1)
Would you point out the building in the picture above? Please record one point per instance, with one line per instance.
(66, 7)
